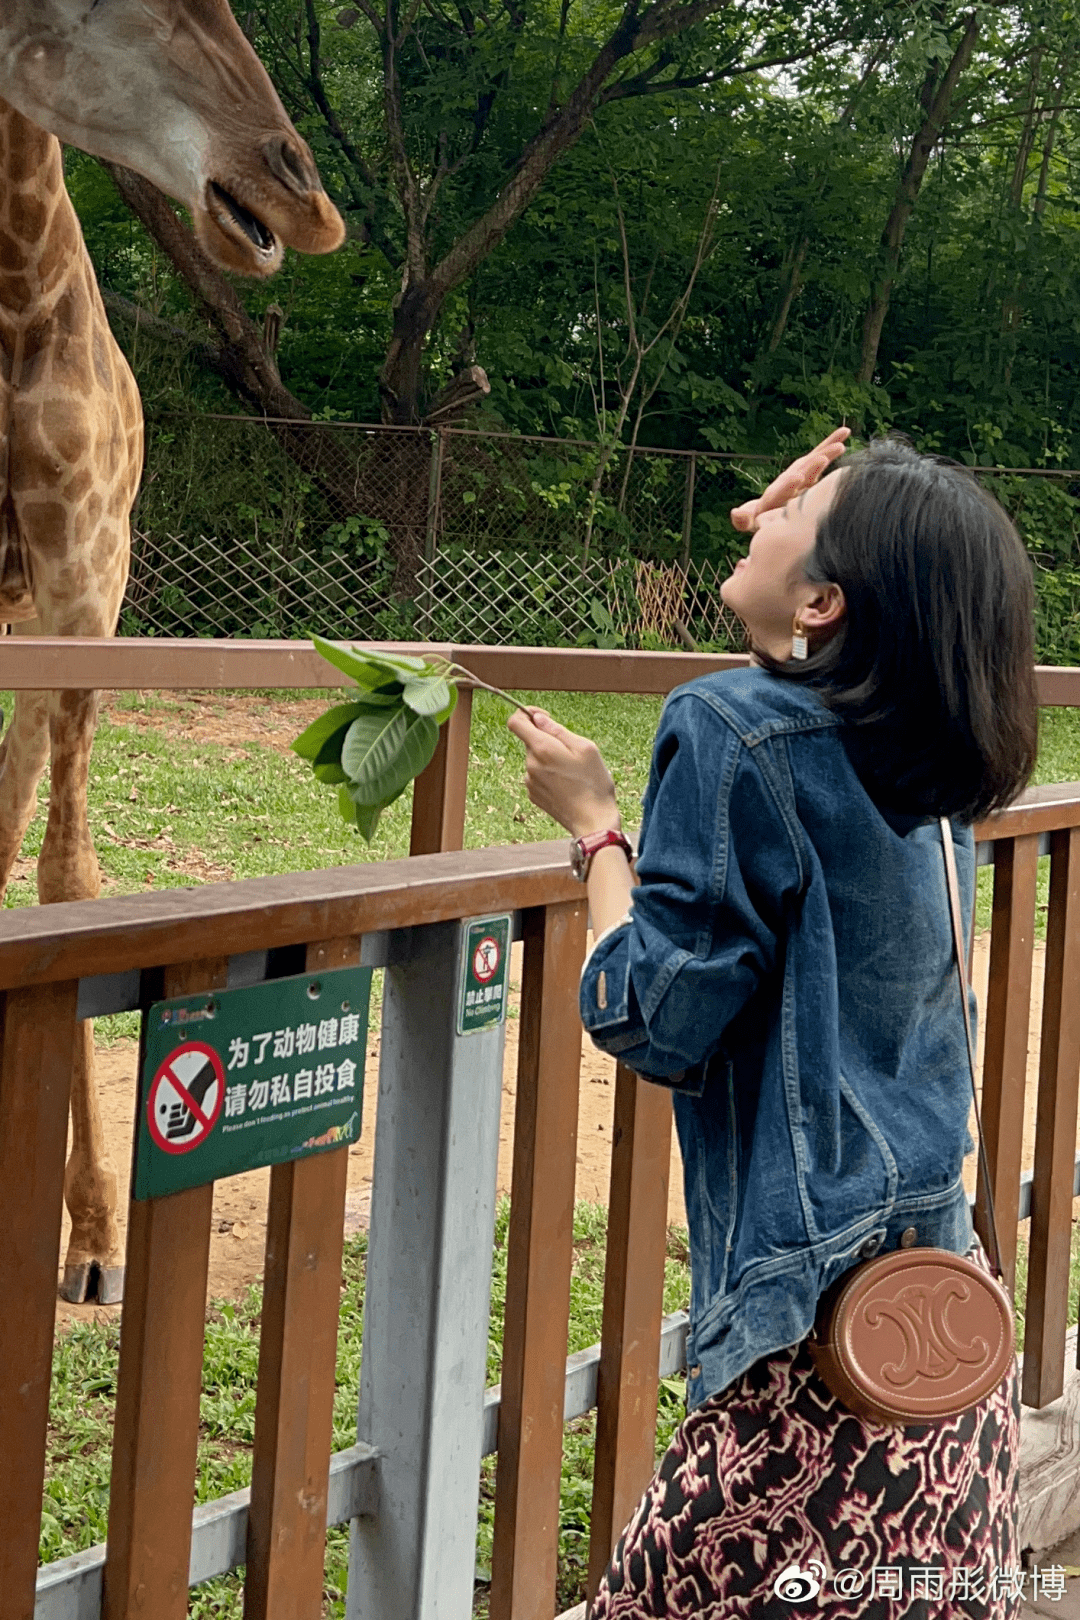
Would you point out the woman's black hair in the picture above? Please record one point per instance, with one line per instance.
(933, 667)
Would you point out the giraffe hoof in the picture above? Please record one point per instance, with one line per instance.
(87, 1283)
(110, 1285)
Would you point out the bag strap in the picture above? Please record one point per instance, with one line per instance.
(953, 885)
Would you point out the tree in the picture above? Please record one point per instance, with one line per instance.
(938, 92)
(476, 108)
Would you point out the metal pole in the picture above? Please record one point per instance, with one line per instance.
(688, 512)
(428, 1292)
(431, 532)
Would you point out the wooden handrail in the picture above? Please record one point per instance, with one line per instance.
(70, 940)
(1038, 810)
(77, 663)
(73, 939)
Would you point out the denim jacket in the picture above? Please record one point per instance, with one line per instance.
(786, 967)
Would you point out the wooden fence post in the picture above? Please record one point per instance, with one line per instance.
(294, 1405)
(38, 1046)
(1008, 1014)
(1055, 1131)
(156, 1433)
(688, 512)
(540, 1244)
(438, 815)
(633, 1307)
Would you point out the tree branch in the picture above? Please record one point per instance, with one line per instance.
(117, 307)
(245, 362)
(907, 193)
(635, 30)
(645, 84)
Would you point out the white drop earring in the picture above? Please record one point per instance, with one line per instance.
(800, 647)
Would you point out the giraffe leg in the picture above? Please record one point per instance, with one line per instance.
(23, 755)
(68, 870)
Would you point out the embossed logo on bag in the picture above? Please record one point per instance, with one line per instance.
(930, 1348)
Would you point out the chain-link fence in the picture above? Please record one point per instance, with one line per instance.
(254, 528)
(206, 588)
(246, 527)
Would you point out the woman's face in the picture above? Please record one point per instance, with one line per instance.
(769, 587)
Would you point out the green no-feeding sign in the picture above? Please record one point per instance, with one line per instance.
(236, 1079)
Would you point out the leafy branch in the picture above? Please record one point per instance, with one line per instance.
(371, 748)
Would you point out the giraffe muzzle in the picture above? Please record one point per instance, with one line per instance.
(255, 248)
(259, 235)
(295, 168)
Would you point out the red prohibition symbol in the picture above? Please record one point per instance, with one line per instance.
(185, 1098)
(486, 959)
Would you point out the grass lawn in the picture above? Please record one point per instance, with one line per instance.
(169, 812)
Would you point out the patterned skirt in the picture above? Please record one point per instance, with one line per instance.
(774, 1500)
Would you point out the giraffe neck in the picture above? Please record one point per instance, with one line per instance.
(40, 237)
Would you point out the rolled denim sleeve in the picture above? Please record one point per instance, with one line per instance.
(716, 868)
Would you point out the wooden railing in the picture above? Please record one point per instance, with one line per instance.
(439, 797)
(409, 1485)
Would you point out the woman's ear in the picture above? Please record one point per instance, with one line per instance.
(825, 609)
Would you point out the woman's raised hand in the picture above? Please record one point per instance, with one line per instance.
(565, 775)
(793, 480)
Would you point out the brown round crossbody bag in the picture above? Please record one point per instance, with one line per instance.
(919, 1335)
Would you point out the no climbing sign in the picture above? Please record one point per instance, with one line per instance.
(483, 978)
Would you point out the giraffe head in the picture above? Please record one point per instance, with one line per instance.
(172, 89)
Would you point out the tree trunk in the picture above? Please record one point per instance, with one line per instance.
(789, 291)
(791, 279)
(245, 362)
(426, 290)
(381, 483)
(907, 192)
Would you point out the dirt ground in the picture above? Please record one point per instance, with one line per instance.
(239, 1226)
(215, 717)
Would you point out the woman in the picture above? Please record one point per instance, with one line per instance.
(784, 964)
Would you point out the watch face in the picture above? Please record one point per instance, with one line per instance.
(578, 859)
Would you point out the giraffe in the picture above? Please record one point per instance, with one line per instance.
(172, 89)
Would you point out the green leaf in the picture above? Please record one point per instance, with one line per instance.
(427, 696)
(310, 742)
(367, 819)
(366, 816)
(360, 669)
(372, 747)
(346, 805)
(380, 760)
(384, 697)
(330, 772)
(330, 752)
(401, 664)
(443, 715)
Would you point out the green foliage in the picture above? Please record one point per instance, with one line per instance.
(979, 349)
(373, 748)
(606, 632)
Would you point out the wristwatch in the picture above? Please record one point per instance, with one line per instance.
(582, 850)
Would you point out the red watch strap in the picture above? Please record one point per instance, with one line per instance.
(582, 850)
(600, 840)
